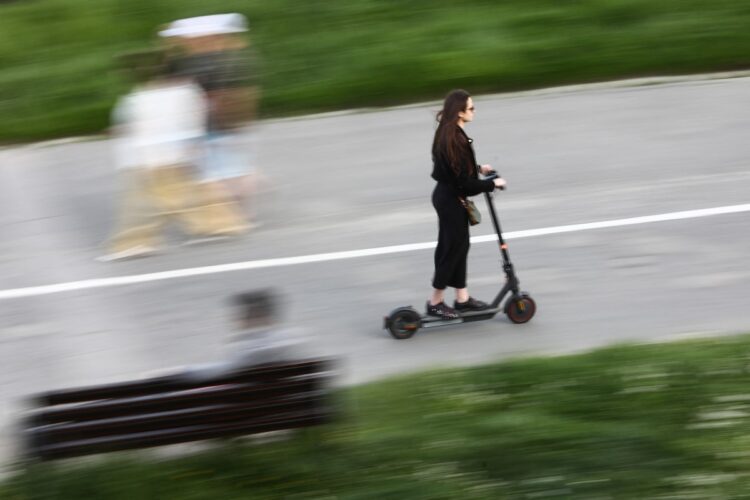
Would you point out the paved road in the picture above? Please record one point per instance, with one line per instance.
(359, 181)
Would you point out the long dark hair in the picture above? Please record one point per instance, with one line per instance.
(449, 141)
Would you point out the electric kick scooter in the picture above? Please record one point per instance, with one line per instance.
(404, 322)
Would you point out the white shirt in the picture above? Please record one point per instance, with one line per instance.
(159, 125)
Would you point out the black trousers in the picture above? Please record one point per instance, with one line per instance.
(453, 238)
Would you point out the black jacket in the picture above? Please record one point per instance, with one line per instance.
(465, 183)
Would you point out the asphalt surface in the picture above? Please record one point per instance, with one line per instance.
(355, 181)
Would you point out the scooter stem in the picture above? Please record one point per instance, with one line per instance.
(496, 223)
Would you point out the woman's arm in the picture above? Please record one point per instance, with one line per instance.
(470, 186)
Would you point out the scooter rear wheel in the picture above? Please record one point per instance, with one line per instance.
(520, 309)
(404, 323)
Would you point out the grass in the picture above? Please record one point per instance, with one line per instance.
(58, 76)
(655, 421)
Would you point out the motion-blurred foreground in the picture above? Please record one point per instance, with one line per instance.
(663, 421)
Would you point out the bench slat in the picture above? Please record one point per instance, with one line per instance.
(180, 435)
(176, 400)
(215, 414)
(177, 383)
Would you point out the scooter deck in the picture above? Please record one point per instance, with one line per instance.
(468, 317)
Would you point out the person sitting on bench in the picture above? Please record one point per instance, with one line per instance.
(259, 340)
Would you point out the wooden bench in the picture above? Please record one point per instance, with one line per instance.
(170, 410)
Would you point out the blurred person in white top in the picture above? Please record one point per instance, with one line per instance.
(158, 126)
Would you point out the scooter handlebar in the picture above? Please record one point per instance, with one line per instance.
(492, 176)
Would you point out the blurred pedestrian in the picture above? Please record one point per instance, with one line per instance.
(259, 340)
(157, 127)
(456, 171)
(216, 52)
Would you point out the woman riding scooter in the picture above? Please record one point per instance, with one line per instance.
(456, 171)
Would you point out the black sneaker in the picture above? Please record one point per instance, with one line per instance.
(442, 311)
(471, 305)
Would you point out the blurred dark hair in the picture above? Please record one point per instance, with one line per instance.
(259, 306)
(449, 141)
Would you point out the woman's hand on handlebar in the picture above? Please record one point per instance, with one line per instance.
(496, 179)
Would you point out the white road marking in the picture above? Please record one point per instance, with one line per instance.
(646, 219)
(353, 254)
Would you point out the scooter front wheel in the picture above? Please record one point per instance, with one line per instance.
(403, 323)
(520, 308)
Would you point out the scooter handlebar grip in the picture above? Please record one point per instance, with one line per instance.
(492, 176)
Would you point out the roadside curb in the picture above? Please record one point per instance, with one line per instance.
(561, 90)
(548, 91)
